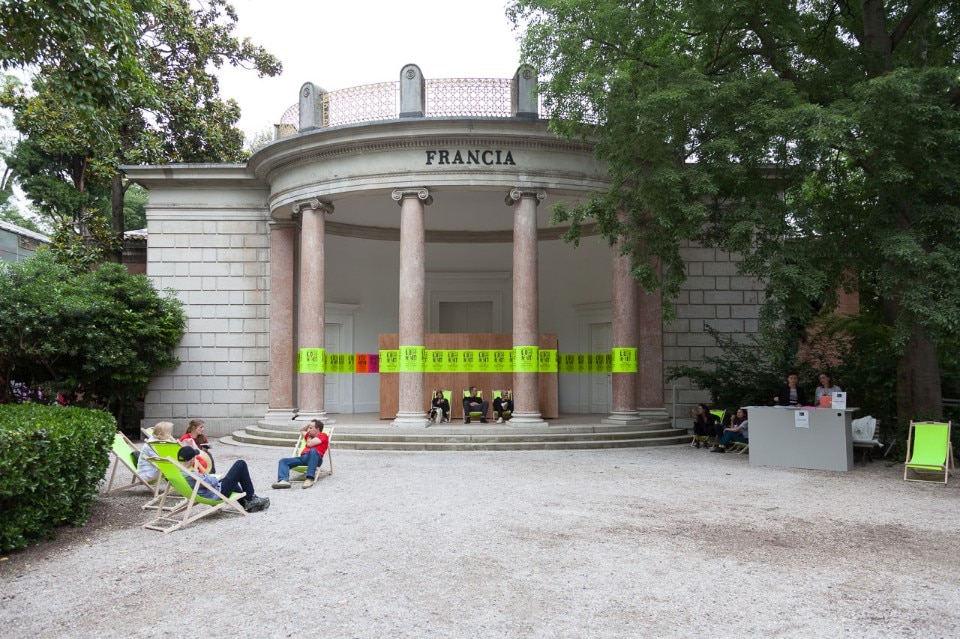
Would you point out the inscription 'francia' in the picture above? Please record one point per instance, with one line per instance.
(488, 157)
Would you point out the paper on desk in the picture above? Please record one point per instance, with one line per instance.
(801, 419)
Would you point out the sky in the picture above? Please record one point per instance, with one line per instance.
(348, 43)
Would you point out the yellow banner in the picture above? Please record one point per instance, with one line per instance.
(624, 360)
(525, 359)
(412, 359)
(548, 361)
(310, 360)
(389, 361)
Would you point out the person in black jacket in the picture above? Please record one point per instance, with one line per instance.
(791, 394)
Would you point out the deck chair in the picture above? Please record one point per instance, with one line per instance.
(327, 459)
(169, 450)
(739, 447)
(123, 456)
(473, 413)
(447, 395)
(497, 395)
(188, 511)
(928, 451)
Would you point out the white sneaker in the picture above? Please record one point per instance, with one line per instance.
(499, 420)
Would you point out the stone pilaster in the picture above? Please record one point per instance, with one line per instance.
(526, 305)
(650, 404)
(312, 319)
(412, 304)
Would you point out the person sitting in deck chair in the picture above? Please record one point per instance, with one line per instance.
(473, 403)
(502, 404)
(237, 479)
(162, 432)
(736, 432)
(439, 404)
(315, 444)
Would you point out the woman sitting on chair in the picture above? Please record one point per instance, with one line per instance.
(704, 424)
(737, 432)
(162, 432)
(195, 438)
(439, 404)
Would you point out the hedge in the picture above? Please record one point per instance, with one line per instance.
(52, 460)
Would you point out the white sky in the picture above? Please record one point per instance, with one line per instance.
(348, 43)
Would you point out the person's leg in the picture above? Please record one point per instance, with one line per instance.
(285, 464)
(466, 410)
(484, 405)
(237, 477)
(313, 462)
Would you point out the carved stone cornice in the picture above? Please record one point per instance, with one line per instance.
(422, 193)
(517, 193)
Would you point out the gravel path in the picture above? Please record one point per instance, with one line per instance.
(666, 542)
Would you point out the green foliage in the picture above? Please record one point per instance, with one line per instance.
(99, 335)
(817, 140)
(135, 208)
(51, 462)
(158, 102)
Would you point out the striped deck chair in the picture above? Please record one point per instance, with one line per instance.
(189, 510)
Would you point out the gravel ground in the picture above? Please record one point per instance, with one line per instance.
(666, 542)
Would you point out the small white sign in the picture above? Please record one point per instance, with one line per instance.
(802, 419)
(839, 401)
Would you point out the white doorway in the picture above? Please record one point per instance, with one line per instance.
(338, 338)
(601, 384)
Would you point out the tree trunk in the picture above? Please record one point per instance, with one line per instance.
(918, 380)
(117, 191)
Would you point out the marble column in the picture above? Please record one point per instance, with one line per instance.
(526, 306)
(312, 319)
(624, 311)
(650, 404)
(283, 238)
(412, 402)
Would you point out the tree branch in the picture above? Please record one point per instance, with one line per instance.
(907, 21)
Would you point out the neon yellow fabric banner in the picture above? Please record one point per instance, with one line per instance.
(310, 360)
(525, 359)
(389, 361)
(484, 361)
(624, 360)
(412, 359)
(436, 362)
(451, 361)
(548, 361)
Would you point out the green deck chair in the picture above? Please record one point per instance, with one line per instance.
(168, 520)
(473, 413)
(928, 451)
(447, 395)
(327, 459)
(707, 440)
(123, 456)
(169, 450)
(506, 413)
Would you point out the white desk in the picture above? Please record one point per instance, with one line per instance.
(824, 441)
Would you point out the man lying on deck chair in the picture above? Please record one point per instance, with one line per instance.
(237, 479)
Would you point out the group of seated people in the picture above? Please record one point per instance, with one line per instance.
(707, 426)
(472, 403)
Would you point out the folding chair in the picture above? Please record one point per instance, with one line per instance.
(123, 455)
(327, 459)
(473, 413)
(928, 450)
(168, 520)
(497, 395)
(739, 447)
(168, 450)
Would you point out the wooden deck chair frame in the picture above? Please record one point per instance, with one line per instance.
(327, 459)
(739, 447)
(122, 450)
(187, 512)
(168, 450)
(928, 451)
(473, 413)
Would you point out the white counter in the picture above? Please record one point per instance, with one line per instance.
(816, 438)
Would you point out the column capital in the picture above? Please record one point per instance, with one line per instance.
(517, 193)
(314, 204)
(421, 193)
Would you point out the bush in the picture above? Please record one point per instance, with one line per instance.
(52, 460)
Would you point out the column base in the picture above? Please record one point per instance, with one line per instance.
(654, 414)
(305, 416)
(525, 420)
(280, 414)
(625, 418)
(411, 420)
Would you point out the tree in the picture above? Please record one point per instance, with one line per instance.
(164, 108)
(818, 139)
(95, 335)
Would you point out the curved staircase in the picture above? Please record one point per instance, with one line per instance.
(568, 433)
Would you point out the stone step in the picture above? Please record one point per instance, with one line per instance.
(479, 437)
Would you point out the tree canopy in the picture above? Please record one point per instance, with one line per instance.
(816, 139)
(118, 82)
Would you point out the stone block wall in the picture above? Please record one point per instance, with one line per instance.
(714, 295)
(216, 261)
